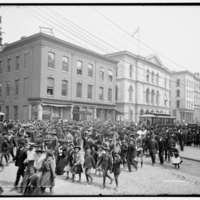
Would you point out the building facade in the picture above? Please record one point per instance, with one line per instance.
(143, 86)
(186, 96)
(43, 77)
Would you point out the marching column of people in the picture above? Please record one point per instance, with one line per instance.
(56, 148)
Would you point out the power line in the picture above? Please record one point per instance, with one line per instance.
(117, 50)
(133, 37)
(107, 44)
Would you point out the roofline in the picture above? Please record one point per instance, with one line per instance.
(137, 57)
(186, 72)
(55, 39)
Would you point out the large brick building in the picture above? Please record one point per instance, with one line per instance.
(43, 77)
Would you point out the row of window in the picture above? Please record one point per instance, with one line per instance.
(79, 67)
(17, 63)
(154, 95)
(154, 77)
(8, 87)
(79, 89)
(16, 112)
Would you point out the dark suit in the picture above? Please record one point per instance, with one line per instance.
(21, 155)
(161, 148)
(153, 146)
(131, 154)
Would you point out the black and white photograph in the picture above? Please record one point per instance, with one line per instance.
(99, 100)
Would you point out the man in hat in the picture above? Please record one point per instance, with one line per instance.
(153, 147)
(106, 164)
(4, 149)
(131, 155)
(21, 156)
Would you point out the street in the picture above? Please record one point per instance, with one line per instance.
(149, 180)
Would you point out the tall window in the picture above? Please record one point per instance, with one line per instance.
(25, 89)
(152, 77)
(147, 75)
(79, 67)
(79, 90)
(50, 86)
(90, 70)
(17, 87)
(7, 112)
(177, 93)
(64, 87)
(157, 98)
(116, 93)
(0, 89)
(177, 82)
(51, 59)
(1, 67)
(110, 76)
(147, 95)
(130, 70)
(65, 63)
(89, 94)
(165, 82)
(101, 93)
(101, 74)
(15, 112)
(157, 78)
(152, 96)
(17, 64)
(9, 65)
(130, 91)
(178, 104)
(26, 59)
(7, 89)
(109, 94)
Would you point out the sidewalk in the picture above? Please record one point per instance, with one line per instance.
(191, 153)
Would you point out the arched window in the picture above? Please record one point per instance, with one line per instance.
(130, 90)
(147, 95)
(141, 112)
(147, 112)
(116, 93)
(130, 70)
(157, 98)
(152, 96)
(110, 76)
(157, 78)
(152, 77)
(147, 75)
(178, 93)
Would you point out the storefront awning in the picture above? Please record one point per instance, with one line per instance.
(55, 105)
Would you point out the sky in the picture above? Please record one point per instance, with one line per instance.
(170, 33)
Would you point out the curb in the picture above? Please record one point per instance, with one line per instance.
(193, 159)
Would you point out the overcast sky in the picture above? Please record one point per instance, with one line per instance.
(171, 33)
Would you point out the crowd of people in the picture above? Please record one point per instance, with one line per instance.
(42, 150)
